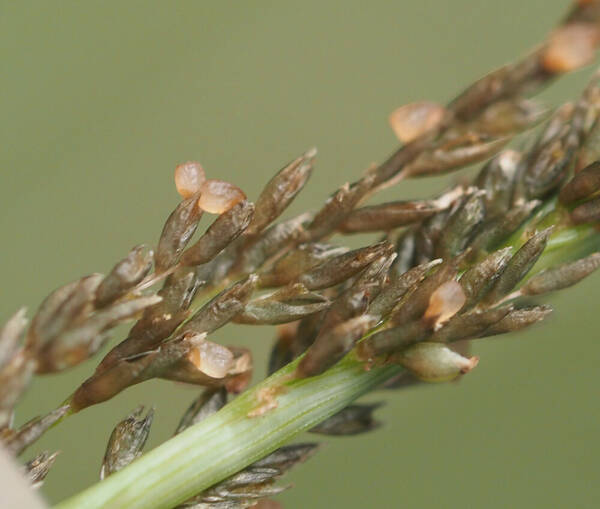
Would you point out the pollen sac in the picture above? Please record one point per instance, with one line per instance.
(387, 216)
(209, 402)
(582, 185)
(352, 420)
(225, 229)
(571, 47)
(126, 442)
(218, 196)
(177, 232)
(124, 276)
(212, 359)
(415, 119)
(560, 277)
(190, 358)
(444, 303)
(189, 178)
(194, 360)
(281, 190)
(435, 362)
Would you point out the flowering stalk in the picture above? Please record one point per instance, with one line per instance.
(446, 271)
(234, 437)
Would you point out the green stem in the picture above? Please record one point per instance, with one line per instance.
(228, 441)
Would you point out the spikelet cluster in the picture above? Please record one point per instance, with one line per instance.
(446, 270)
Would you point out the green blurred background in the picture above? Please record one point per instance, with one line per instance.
(100, 100)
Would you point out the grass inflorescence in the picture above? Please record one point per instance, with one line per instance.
(446, 270)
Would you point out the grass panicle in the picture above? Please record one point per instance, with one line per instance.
(396, 312)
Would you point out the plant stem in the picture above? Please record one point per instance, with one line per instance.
(228, 441)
